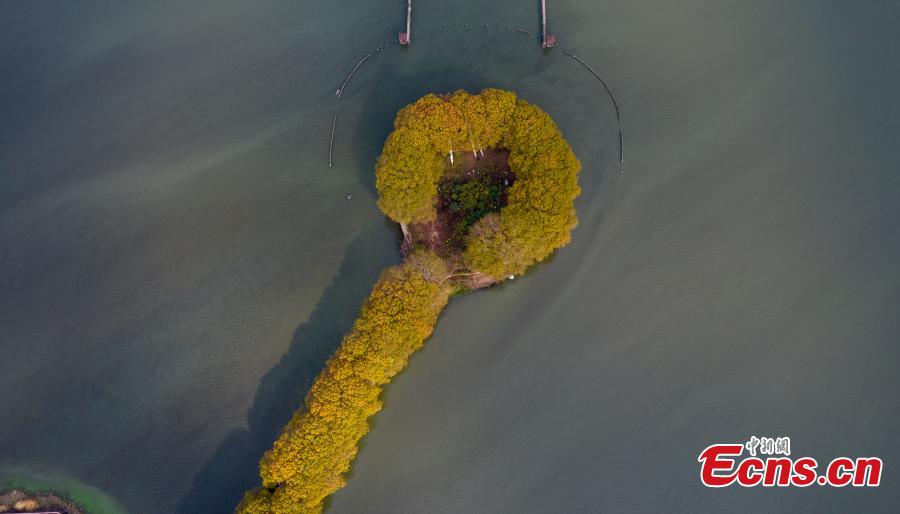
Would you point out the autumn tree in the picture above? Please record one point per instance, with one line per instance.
(425, 132)
(540, 214)
(307, 462)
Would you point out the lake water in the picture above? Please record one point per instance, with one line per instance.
(177, 259)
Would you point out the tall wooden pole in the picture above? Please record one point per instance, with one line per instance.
(543, 22)
(409, 20)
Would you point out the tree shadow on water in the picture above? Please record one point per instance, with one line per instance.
(233, 468)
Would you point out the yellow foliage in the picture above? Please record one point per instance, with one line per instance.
(406, 176)
(258, 501)
(539, 214)
(307, 462)
(414, 155)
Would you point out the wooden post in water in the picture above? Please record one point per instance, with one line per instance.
(406, 37)
(548, 40)
(409, 21)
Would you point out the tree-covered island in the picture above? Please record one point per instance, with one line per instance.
(483, 186)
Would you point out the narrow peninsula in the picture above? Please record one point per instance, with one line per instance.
(482, 186)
